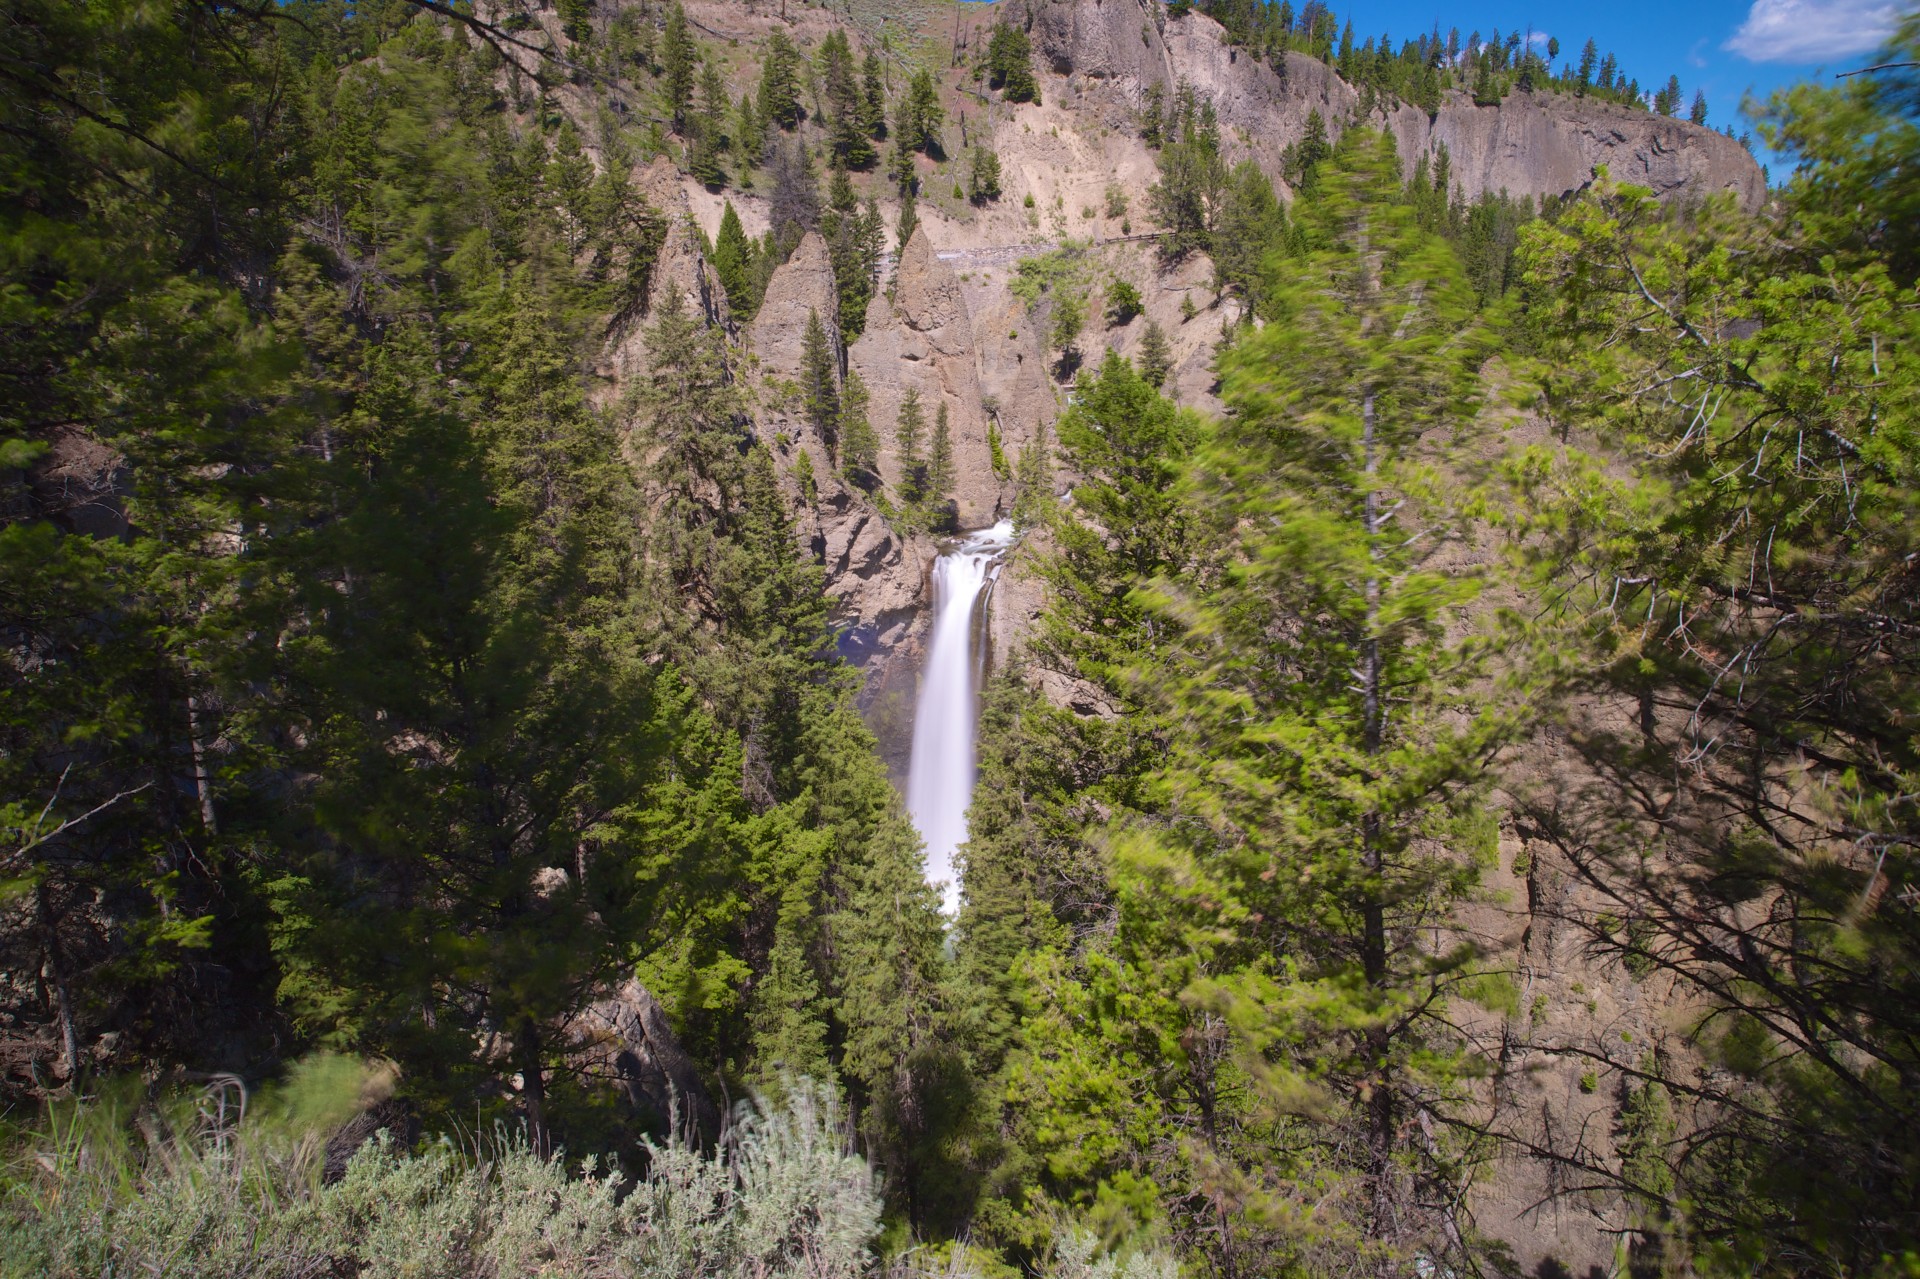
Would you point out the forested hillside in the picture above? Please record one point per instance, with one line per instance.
(1448, 769)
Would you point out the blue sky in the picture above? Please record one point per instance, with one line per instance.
(1725, 47)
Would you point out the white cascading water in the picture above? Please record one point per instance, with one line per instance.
(941, 772)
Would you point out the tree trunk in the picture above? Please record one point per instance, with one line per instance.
(1373, 942)
(56, 974)
(202, 778)
(533, 1086)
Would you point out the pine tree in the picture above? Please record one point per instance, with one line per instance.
(1331, 853)
(779, 101)
(859, 443)
(983, 176)
(940, 456)
(749, 132)
(1156, 357)
(1301, 161)
(909, 219)
(1788, 806)
(733, 255)
(1192, 176)
(900, 168)
(1668, 100)
(908, 434)
(560, 547)
(819, 382)
(576, 19)
(1589, 55)
(854, 243)
(710, 131)
(1250, 223)
(688, 414)
(873, 96)
(1033, 480)
(679, 67)
(1352, 441)
(803, 477)
(1010, 64)
(848, 136)
(920, 116)
(1698, 113)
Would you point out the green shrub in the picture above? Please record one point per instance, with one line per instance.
(782, 1194)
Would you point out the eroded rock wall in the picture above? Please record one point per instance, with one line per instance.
(1533, 144)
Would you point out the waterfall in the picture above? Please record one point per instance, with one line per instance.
(941, 772)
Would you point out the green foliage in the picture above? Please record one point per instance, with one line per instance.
(679, 63)
(576, 19)
(849, 127)
(919, 117)
(996, 451)
(1033, 479)
(1854, 190)
(909, 219)
(859, 442)
(378, 680)
(855, 238)
(1010, 64)
(1069, 318)
(1058, 283)
(1747, 370)
(1156, 356)
(734, 262)
(820, 382)
(1192, 177)
(940, 455)
(1646, 1135)
(783, 1189)
(780, 72)
(983, 175)
(873, 92)
(710, 141)
(1249, 225)
(1300, 164)
(803, 476)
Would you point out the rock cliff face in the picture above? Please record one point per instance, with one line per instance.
(875, 575)
(1531, 144)
(681, 268)
(923, 340)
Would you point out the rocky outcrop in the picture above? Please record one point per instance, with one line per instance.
(875, 577)
(803, 285)
(1533, 144)
(628, 1042)
(681, 268)
(924, 340)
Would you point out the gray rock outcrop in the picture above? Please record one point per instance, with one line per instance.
(924, 340)
(627, 1041)
(803, 284)
(875, 577)
(1532, 144)
(681, 268)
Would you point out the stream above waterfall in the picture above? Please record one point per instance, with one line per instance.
(942, 768)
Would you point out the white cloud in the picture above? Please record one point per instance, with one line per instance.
(1539, 39)
(1813, 30)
